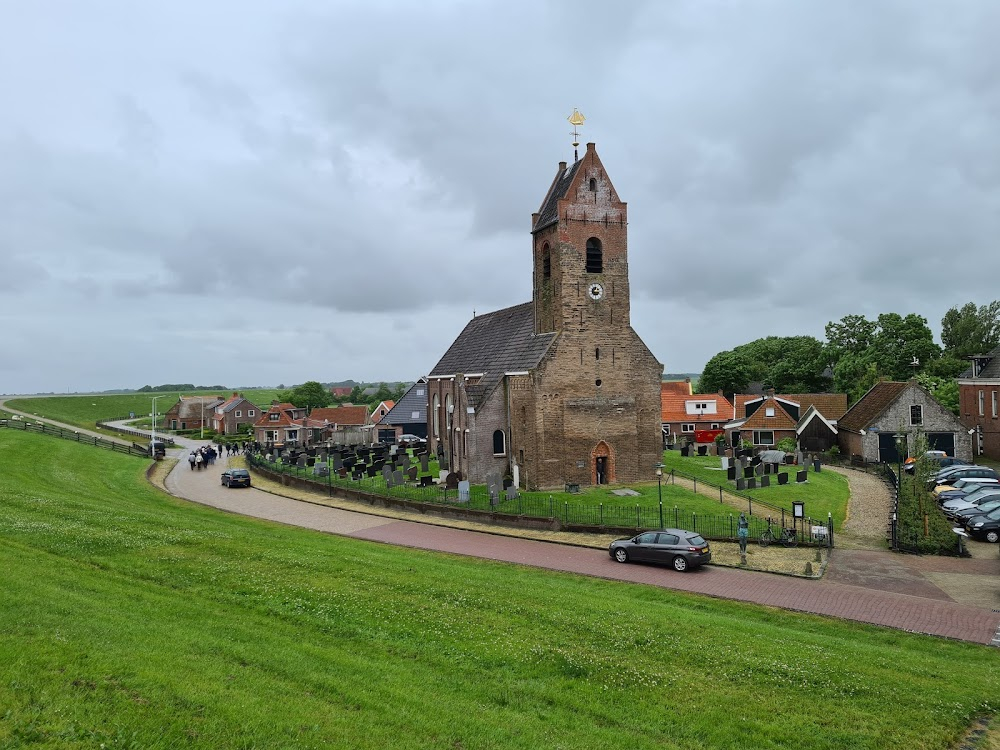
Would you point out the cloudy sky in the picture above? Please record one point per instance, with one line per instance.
(254, 193)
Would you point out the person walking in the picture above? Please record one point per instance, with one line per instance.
(191, 460)
(199, 460)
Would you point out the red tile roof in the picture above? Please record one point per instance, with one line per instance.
(871, 405)
(672, 407)
(344, 415)
(679, 387)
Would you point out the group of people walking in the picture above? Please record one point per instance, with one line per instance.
(202, 457)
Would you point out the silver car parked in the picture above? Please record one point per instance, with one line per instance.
(680, 549)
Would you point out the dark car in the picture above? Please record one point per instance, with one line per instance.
(236, 478)
(157, 449)
(985, 527)
(968, 515)
(964, 472)
(675, 547)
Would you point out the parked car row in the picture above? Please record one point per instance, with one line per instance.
(972, 502)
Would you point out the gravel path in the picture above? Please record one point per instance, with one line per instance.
(868, 510)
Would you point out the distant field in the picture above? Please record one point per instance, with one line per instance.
(825, 492)
(85, 411)
(131, 619)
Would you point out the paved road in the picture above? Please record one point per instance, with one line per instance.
(912, 611)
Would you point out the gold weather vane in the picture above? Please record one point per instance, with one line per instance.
(576, 120)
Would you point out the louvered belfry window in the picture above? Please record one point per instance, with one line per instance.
(595, 256)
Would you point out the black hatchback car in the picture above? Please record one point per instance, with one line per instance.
(236, 478)
(680, 549)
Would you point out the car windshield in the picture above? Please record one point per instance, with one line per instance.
(696, 541)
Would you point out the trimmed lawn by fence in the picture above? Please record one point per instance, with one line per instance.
(825, 492)
(130, 618)
(85, 411)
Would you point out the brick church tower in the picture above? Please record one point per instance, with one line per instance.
(560, 390)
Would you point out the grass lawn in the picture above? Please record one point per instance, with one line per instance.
(825, 492)
(131, 619)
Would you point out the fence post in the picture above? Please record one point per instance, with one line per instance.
(720, 496)
(602, 513)
(829, 528)
(551, 509)
(672, 476)
(696, 485)
(676, 524)
(750, 503)
(637, 522)
(566, 512)
(694, 522)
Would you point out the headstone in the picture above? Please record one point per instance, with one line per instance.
(338, 461)
(765, 481)
(511, 492)
(783, 478)
(731, 473)
(741, 484)
(451, 482)
(752, 483)
(426, 481)
(758, 469)
(798, 459)
(423, 462)
(463, 490)
(801, 476)
(747, 472)
(685, 450)
(443, 477)
(768, 468)
(397, 476)
(411, 473)
(755, 460)
(725, 462)
(301, 461)
(816, 465)
(702, 450)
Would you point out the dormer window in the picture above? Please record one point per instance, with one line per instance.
(768, 411)
(274, 417)
(595, 256)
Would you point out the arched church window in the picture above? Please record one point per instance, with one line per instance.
(499, 444)
(546, 262)
(595, 256)
(448, 409)
(593, 185)
(437, 415)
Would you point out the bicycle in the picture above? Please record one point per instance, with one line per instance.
(786, 538)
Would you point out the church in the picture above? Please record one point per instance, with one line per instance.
(559, 390)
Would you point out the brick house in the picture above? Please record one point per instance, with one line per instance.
(191, 412)
(342, 420)
(810, 419)
(341, 391)
(978, 390)
(559, 390)
(282, 425)
(236, 411)
(888, 409)
(684, 414)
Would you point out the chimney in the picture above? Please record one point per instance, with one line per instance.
(769, 392)
(590, 147)
(562, 166)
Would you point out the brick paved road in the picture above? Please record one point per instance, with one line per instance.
(915, 611)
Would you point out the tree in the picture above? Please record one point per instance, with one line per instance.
(853, 334)
(971, 330)
(310, 395)
(854, 374)
(944, 389)
(789, 364)
(904, 345)
(726, 372)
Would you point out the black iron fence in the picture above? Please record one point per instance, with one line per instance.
(564, 514)
(60, 432)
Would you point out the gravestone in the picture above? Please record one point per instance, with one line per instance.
(411, 473)
(423, 462)
(451, 481)
(783, 478)
(758, 469)
(752, 483)
(765, 481)
(725, 463)
(511, 492)
(387, 476)
(731, 473)
(320, 469)
(685, 450)
(741, 484)
(801, 476)
(748, 472)
(426, 481)
(798, 459)
(702, 450)
(301, 462)
(397, 476)
(338, 461)
(463, 490)
(443, 477)
(816, 465)
(755, 460)
(372, 470)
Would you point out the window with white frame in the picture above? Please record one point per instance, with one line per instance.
(250, 412)
(715, 425)
(916, 414)
(291, 434)
(274, 417)
(763, 437)
(982, 403)
(768, 411)
(687, 428)
(238, 414)
(665, 429)
(271, 436)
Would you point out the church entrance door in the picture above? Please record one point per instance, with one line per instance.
(602, 469)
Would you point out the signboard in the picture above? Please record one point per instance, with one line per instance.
(798, 509)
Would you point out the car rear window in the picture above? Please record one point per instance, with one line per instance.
(696, 541)
(240, 473)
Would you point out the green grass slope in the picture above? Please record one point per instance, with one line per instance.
(131, 619)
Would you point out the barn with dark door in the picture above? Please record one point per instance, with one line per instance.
(870, 427)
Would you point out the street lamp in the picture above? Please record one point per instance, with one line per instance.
(152, 441)
(659, 489)
(900, 439)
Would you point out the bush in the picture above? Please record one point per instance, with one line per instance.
(787, 445)
(915, 503)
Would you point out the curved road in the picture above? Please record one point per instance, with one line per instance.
(914, 612)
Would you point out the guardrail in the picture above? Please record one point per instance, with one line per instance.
(60, 432)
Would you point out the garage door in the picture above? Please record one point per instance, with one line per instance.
(942, 441)
(887, 448)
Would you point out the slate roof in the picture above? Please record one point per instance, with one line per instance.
(492, 344)
(871, 405)
(990, 372)
(414, 400)
(549, 212)
(342, 415)
(234, 401)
